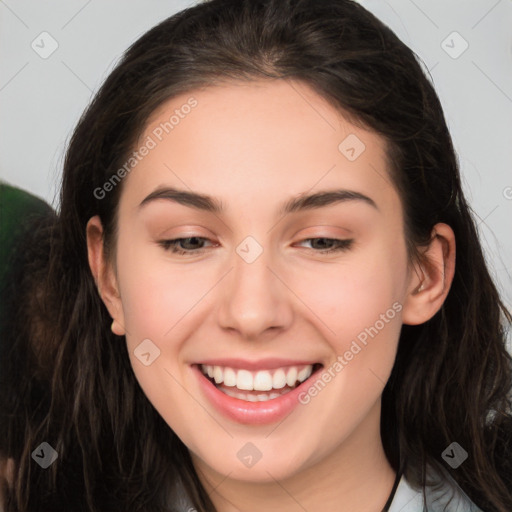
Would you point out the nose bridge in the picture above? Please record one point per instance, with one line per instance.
(251, 264)
(255, 299)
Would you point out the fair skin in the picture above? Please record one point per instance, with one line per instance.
(254, 146)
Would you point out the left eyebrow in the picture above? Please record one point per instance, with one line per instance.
(302, 202)
(324, 198)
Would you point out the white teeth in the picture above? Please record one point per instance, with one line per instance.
(229, 377)
(250, 397)
(262, 380)
(244, 380)
(279, 379)
(291, 376)
(305, 373)
(218, 374)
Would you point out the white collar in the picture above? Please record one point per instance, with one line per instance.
(447, 497)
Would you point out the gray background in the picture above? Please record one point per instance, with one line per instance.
(41, 99)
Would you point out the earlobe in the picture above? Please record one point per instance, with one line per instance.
(104, 275)
(117, 328)
(430, 283)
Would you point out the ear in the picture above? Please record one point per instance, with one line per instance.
(104, 275)
(431, 280)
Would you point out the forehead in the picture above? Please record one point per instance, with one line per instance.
(239, 140)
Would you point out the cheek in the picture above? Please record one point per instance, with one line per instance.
(156, 300)
(156, 294)
(360, 306)
(353, 295)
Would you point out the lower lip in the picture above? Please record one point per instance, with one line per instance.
(251, 413)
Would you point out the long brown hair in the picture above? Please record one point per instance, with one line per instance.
(67, 380)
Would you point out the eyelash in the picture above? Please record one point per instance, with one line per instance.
(171, 245)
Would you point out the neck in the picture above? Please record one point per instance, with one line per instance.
(355, 476)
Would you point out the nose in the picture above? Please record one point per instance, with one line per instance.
(255, 298)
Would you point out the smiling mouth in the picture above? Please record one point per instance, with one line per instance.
(258, 386)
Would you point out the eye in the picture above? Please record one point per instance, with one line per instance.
(172, 245)
(333, 245)
(336, 245)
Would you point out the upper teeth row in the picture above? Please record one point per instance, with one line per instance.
(262, 380)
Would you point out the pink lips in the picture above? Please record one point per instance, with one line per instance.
(251, 413)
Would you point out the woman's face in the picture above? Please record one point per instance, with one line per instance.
(257, 301)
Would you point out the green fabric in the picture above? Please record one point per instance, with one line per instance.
(16, 208)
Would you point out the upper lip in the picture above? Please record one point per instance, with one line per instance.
(260, 364)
